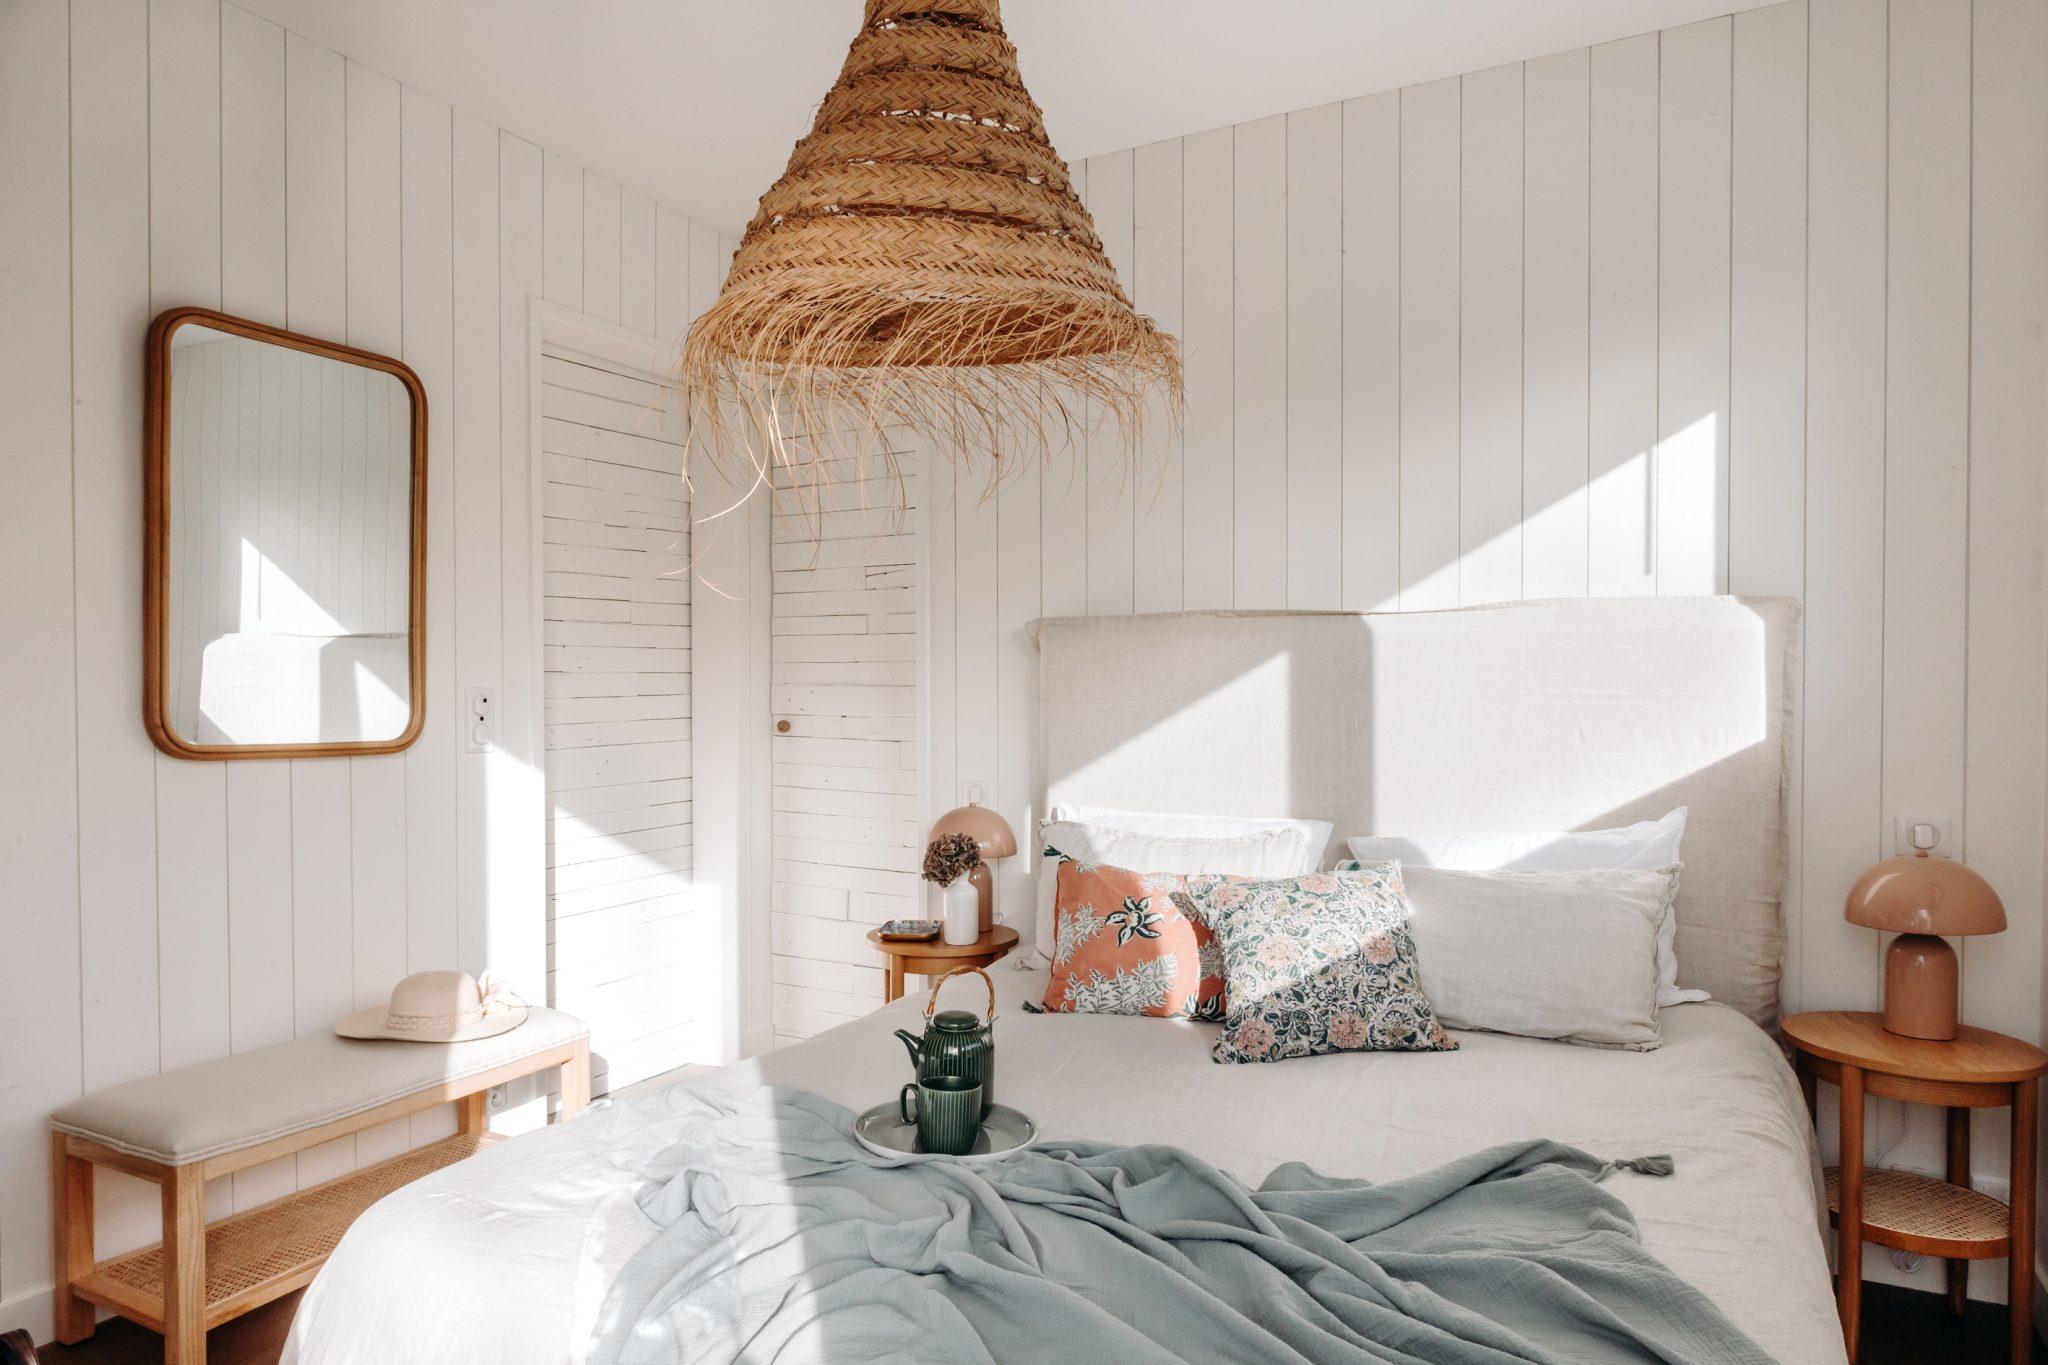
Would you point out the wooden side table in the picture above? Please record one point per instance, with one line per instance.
(1978, 1069)
(933, 957)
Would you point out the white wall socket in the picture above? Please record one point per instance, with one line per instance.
(977, 791)
(1945, 845)
(481, 723)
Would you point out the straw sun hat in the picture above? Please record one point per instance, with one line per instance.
(439, 1007)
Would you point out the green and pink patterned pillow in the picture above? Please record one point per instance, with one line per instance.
(1317, 963)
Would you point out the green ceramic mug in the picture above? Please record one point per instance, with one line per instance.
(947, 1113)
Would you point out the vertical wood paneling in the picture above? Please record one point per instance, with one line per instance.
(561, 230)
(259, 811)
(1315, 359)
(1110, 576)
(1622, 322)
(2005, 746)
(1015, 700)
(1926, 410)
(1557, 143)
(1156, 282)
(1429, 344)
(185, 267)
(636, 261)
(40, 1065)
(1490, 337)
(316, 191)
(1845, 490)
(1063, 512)
(1766, 446)
(601, 247)
(426, 245)
(1208, 480)
(516, 928)
(109, 309)
(1691, 470)
(474, 414)
(672, 310)
(1259, 377)
(377, 804)
(1371, 401)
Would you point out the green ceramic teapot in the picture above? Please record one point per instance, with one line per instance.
(955, 1043)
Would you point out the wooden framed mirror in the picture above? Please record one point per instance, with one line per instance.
(284, 525)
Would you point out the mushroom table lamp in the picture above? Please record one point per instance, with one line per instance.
(1920, 898)
(993, 836)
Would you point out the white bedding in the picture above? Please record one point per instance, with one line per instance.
(505, 1258)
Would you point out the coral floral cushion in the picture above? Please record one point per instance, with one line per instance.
(1318, 963)
(1122, 946)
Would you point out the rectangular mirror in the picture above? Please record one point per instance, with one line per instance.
(284, 607)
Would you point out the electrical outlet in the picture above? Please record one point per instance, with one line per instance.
(494, 1099)
(977, 791)
(482, 721)
(1945, 844)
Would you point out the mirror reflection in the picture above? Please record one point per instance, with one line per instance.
(290, 546)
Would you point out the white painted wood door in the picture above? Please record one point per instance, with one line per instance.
(615, 549)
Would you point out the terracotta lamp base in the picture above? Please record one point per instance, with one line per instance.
(1920, 987)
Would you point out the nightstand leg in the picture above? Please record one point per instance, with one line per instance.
(1958, 1174)
(2020, 1268)
(895, 988)
(1849, 1246)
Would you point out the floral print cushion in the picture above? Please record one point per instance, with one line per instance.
(1122, 946)
(1319, 963)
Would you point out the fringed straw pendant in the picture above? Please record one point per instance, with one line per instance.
(923, 262)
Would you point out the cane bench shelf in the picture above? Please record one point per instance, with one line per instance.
(266, 1252)
(1912, 1212)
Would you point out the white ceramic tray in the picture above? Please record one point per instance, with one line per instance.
(1003, 1130)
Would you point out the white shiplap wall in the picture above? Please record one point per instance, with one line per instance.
(615, 643)
(847, 828)
(1755, 305)
(186, 152)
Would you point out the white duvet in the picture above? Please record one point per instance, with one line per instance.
(506, 1257)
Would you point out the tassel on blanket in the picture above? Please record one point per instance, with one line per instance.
(1642, 1165)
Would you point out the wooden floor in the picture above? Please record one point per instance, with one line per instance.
(1900, 1327)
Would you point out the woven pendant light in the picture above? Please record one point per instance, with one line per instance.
(924, 261)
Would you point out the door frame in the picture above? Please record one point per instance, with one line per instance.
(730, 587)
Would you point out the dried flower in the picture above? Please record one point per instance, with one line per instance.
(950, 857)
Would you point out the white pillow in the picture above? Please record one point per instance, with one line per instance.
(1565, 955)
(1260, 853)
(1642, 847)
(1317, 832)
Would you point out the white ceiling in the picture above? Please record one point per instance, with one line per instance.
(697, 103)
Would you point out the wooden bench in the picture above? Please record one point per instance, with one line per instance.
(183, 1128)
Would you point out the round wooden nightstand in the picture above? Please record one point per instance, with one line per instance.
(1976, 1070)
(933, 957)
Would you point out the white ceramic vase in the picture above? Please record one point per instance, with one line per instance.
(962, 922)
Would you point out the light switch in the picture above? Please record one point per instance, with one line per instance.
(1913, 831)
(482, 720)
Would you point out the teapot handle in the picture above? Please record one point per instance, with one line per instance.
(933, 1003)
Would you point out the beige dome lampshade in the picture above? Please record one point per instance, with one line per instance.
(1919, 898)
(993, 836)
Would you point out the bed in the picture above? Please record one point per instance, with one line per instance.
(1534, 716)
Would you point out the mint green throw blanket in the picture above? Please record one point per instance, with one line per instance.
(780, 1238)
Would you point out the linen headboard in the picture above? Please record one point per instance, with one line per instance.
(1526, 716)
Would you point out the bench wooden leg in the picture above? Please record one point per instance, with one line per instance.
(575, 1083)
(184, 1266)
(473, 1112)
(70, 1241)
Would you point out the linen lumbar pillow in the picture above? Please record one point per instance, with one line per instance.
(1195, 826)
(1566, 955)
(1276, 852)
(1642, 847)
(1318, 963)
(1123, 946)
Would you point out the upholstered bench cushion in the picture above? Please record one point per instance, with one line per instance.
(198, 1112)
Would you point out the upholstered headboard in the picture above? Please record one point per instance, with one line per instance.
(1526, 716)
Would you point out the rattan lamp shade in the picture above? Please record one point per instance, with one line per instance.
(924, 261)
